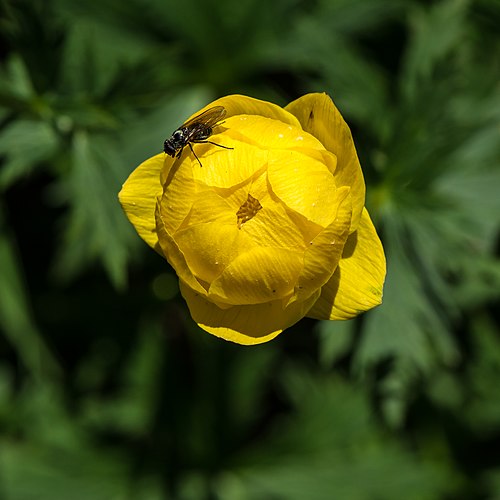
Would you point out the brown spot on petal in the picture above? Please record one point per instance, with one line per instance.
(248, 210)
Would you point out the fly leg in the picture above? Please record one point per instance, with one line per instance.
(178, 155)
(192, 151)
(214, 143)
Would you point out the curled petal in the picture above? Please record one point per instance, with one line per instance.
(243, 105)
(138, 198)
(357, 284)
(177, 196)
(174, 256)
(304, 185)
(324, 251)
(258, 275)
(209, 248)
(245, 324)
(319, 117)
(273, 226)
(269, 134)
(226, 168)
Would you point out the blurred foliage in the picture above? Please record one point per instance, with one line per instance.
(107, 388)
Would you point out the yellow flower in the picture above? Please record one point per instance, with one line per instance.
(269, 231)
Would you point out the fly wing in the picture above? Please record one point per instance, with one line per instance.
(207, 119)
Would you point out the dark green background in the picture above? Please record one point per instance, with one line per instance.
(108, 390)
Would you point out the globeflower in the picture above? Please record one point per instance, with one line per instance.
(269, 231)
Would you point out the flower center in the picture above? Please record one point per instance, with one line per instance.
(248, 210)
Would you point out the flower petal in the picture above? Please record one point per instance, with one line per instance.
(273, 226)
(268, 133)
(225, 168)
(324, 251)
(138, 198)
(303, 184)
(250, 138)
(243, 105)
(357, 284)
(209, 248)
(174, 256)
(319, 116)
(176, 200)
(244, 324)
(258, 275)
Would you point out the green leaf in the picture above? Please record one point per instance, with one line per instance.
(96, 227)
(358, 86)
(330, 447)
(408, 324)
(15, 82)
(336, 340)
(473, 195)
(132, 411)
(143, 136)
(436, 32)
(31, 472)
(356, 17)
(16, 317)
(25, 144)
(482, 406)
(93, 54)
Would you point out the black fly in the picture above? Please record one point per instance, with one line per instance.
(196, 130)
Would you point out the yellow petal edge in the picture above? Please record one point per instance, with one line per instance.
(138, 198)
(319, 117)
(357, 284)
(237, 104)
(248, 324)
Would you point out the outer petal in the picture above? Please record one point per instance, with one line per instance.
(357, 284)
(209, 248)
(319, 116)
(176, 201)
(268, 133)
(257, 276)
(138, 198)
(304, 185)
(174, 256)
(224, 168)
(243, 105)
(324, 251)
(249, 324)
(273, 226)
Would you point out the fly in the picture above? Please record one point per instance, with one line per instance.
(196, 131)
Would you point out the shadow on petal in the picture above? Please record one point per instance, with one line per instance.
(247, 324)
(357, 284)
